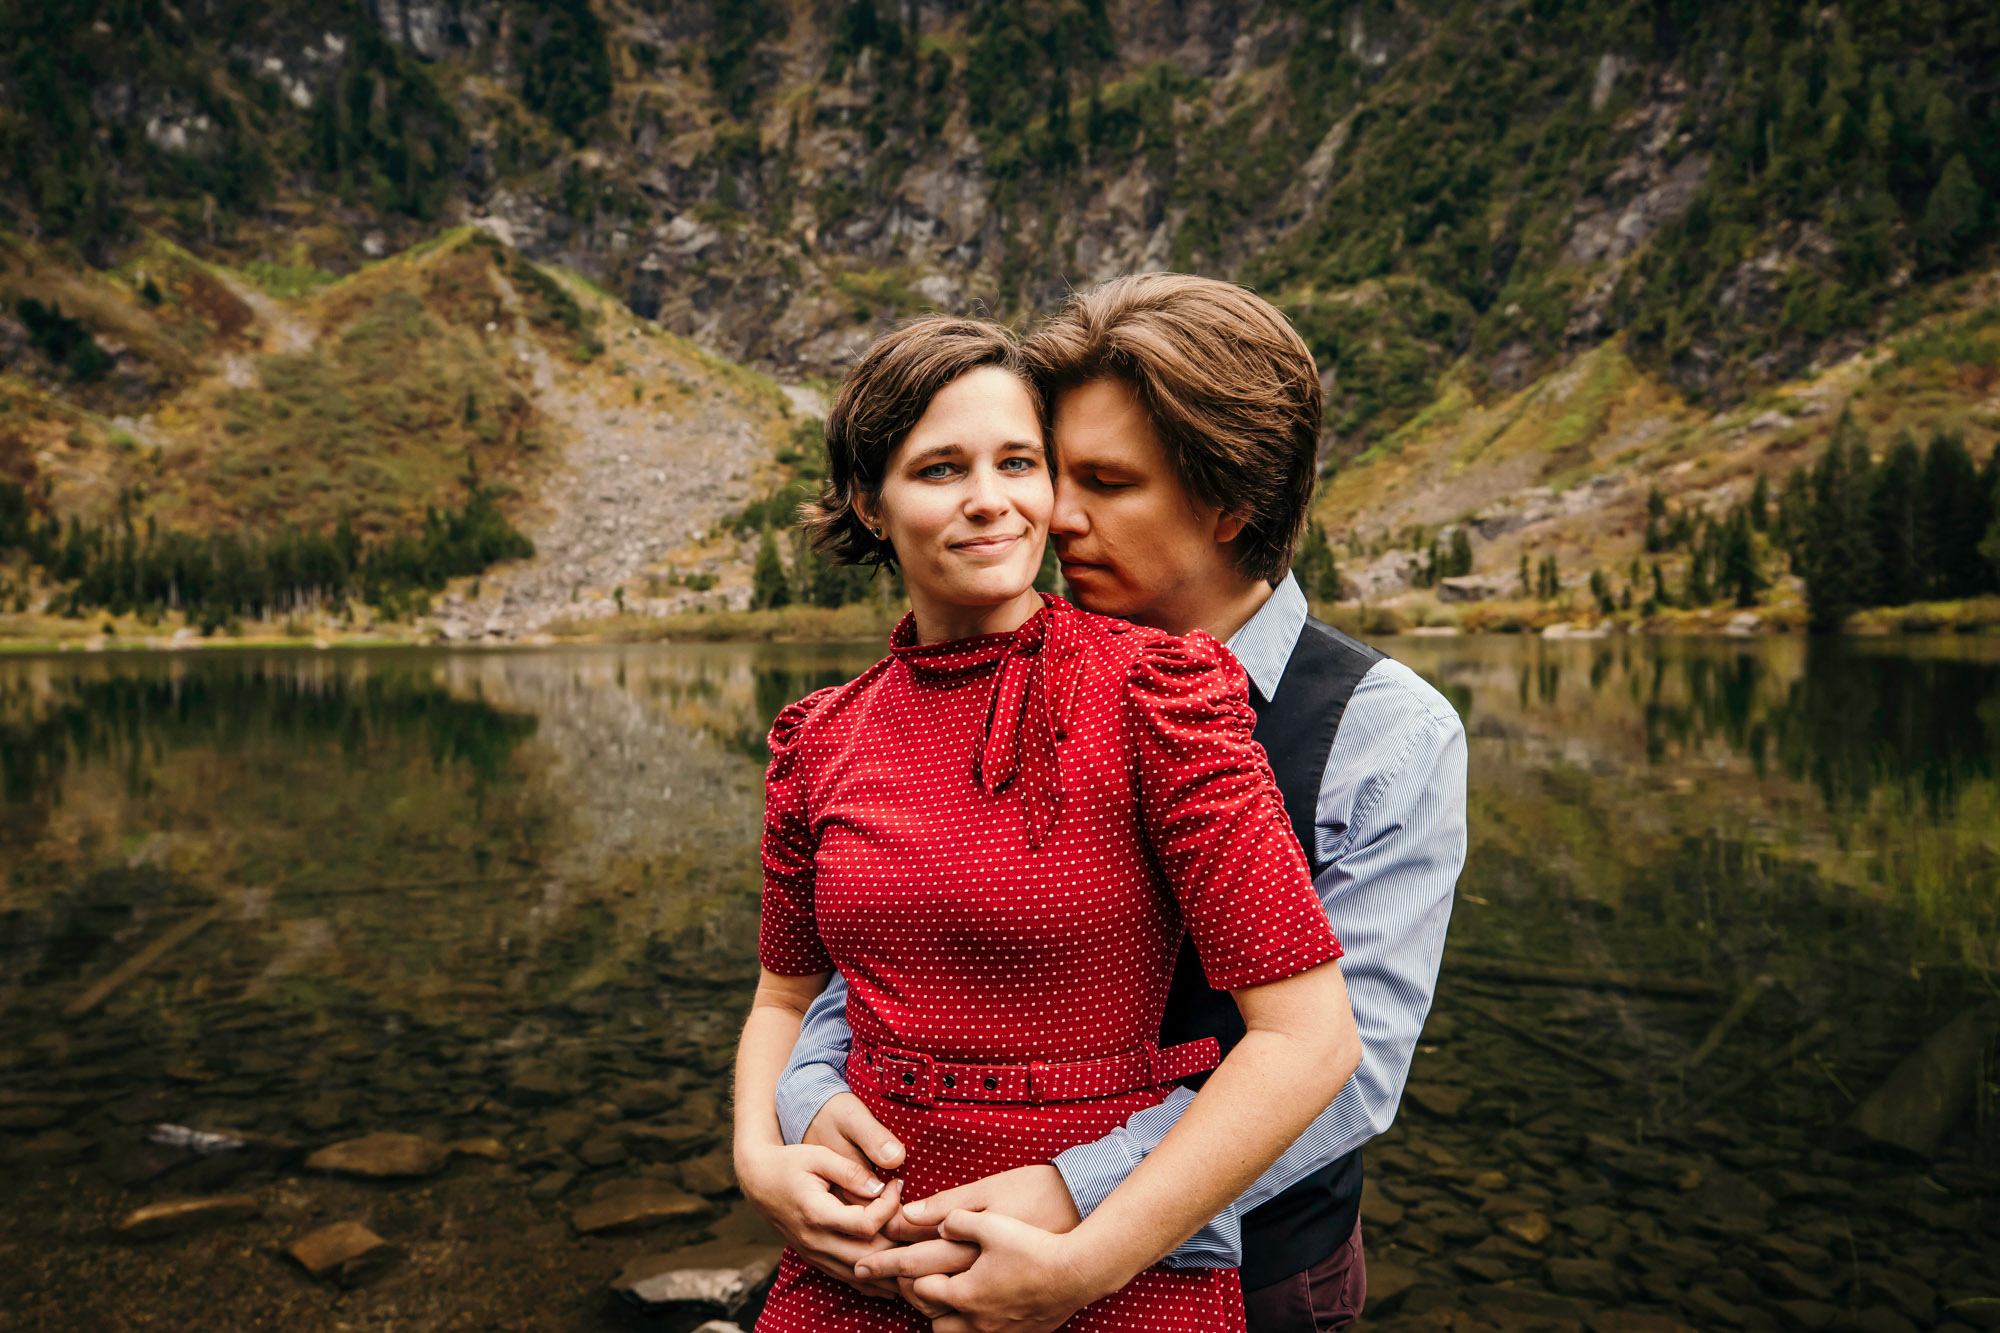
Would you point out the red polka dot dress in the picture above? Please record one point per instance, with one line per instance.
(998, 841)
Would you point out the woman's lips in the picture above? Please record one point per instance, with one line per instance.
(986, 545)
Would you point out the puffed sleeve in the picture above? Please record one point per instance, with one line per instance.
(788, 941)
(1216, 820)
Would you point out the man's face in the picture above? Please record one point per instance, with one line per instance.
(1133, 542)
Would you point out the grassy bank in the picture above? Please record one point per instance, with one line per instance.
(790, 624)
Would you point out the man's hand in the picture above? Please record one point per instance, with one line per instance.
(1023, 1280)
(1032, 1194)
(846, 1126)
(796, 1188)
(1035, 1195)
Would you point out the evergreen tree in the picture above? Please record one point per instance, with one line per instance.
(1957, 518)
(1896, 527)
(1760, 504)
(1794, 518)
(1989, 485)
(1698, 592)
(1527, 586)
(1839, 557)
(1738, 572)
(1951, 225)
(1600, 592)
(1461, 553)
(769, 586)
(1661, 597)
(1314, 565)
(1548, 579)
(1990, 548)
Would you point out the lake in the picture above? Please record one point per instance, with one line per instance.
(1713, 1044)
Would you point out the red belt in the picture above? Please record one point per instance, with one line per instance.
(913, 1076)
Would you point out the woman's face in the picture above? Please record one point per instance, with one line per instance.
(965, 501)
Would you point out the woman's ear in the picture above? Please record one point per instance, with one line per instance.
(1228, 528)
(864, 509)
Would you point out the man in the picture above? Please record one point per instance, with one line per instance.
(1185, 414)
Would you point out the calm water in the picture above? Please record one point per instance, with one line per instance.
(1719, 894)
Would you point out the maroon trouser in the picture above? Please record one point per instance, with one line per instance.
(1326, 1296)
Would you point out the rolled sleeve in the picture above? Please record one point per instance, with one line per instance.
(815, 1074)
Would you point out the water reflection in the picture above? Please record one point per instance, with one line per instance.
(477, 896)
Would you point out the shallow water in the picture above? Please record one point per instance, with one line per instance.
(301, 898)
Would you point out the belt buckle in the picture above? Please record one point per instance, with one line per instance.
(909, 1076)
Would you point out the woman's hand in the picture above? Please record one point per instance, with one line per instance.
(795, 1187)
(1024, 1279)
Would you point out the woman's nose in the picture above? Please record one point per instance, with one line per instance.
(986, 497)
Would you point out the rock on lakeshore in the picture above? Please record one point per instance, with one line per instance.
(709, 1280)
(381, 1155)
(343, 1251)
(636, 1209)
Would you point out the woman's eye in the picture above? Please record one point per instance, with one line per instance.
(1020, 464)
(936, 472)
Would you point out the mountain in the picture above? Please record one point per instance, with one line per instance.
(283, 399)
(1468, 209)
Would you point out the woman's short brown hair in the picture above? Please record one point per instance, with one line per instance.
(878, 405)
(1228, 384)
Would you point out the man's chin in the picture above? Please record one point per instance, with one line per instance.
(1092, 588)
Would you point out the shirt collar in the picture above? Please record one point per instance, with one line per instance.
(1264, 644)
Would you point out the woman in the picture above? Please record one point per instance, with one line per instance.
(998, 834)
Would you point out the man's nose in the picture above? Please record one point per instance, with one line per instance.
(1068, 518)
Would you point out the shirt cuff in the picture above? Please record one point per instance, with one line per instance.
(1092, 1170)
(801, 1093)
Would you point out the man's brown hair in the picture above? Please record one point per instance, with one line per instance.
(878, 405)
(1229, 385)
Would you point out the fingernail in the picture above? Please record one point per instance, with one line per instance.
(915, 1211)
(891, 1148)
(874, 1185)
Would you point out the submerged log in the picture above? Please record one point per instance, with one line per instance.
(1684, 988)
(1608, 1072)
(1916, 1106)
(1732, 1017)
(1802, 1044)
(140, 961)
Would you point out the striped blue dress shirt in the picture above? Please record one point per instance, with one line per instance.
(1391, 830)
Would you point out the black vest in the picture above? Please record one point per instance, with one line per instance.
(1313, 1218)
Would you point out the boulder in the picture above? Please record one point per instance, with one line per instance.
(1438, 1099)
(382, 1156)
(1913, 1109)
(1630, 1321)
(711, 1174)
(1376, 1208)
(1584, 1277)
(491, 1149)
(708, 1281)
(649, 1096)
(1528, 1228)
(170, 1217)
(634, 1210)
(1475, 587)
(343, 1251)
